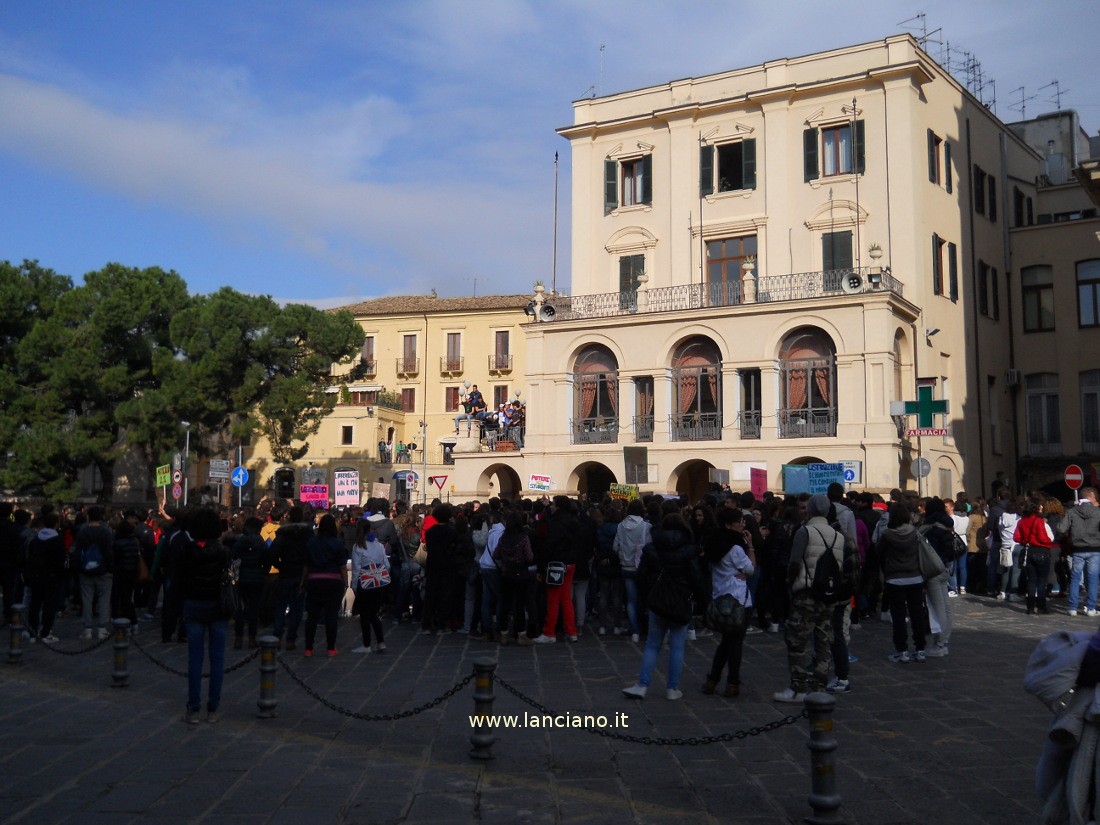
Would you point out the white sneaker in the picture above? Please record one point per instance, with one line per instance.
(361, 649)
(104, 633)
(838, 686)
(953, 593)
(543, 639)
(691, 634)
(87, 634)
(381, 648)
(50, 639)
(673, 694)
(1092, 613)
(602, 631)
(788, 696)
(635, 692)
(1073, 612)
(936, 651)
(634, 638)
(962, 591)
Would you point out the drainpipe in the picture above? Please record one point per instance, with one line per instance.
(979, 375)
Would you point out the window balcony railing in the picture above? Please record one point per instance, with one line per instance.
(643, 428)
(369, 366)
(594, 430)
(807, 423)
(408, 366)
(695, 427)
(769, 289)
(449, 364)
(500, 363)
(1044, 448)
(749, 423)
(1091, 447)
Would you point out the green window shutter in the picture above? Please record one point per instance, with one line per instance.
(809, 154)
(992, 198)
(610, 184)
(953, 272)
(931, 157)
(748, 164)
(836, 251)
(947, 167)
(706, 170)
(858, 144)
(647, 179)
(937, 265)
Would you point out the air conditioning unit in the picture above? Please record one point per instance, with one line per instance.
(1012, 378)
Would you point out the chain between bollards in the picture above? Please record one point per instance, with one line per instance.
(15, 639)
(120, 674)
(482, 737)
(269, 647)
(823, 797)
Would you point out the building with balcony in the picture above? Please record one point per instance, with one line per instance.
(420, 354)
(765, 260)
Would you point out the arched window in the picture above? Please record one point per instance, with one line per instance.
(697, 385)
(807, 374)
(595, 396)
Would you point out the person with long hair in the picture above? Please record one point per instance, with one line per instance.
(202, 564)
(631, 536)
(731, 557)
(516, 559)
(325, 578)
(368, 561)
(440, 574)
(1036, 538)
(1011, 550)
(903, 584)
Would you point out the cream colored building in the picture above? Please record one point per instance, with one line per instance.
(763, 260)
(419, 355)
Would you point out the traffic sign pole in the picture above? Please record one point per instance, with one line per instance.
(1074, 477)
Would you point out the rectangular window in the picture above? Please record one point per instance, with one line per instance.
(628, 182)
(724, 260)
(979, 190)
(364, 398)
(1018, 205)
(1090, 411)
(630, 268)
(643, 408)
(934, 173)
(454, 351)
(834, 150)
(1037, 284)
(947, 177)
(450, 399)
(1044, 435)
(983, 288)
(836, 251)
(727, 167)
(346, 435)
(500, 395)
(953, 271)
(408, 399)
(366, 356)
(992, 198)
(500, 346)
(937, 265)
(1088, 293)
(995, 293)
(750, 403)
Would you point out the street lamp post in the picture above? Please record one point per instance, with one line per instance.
(186, 459)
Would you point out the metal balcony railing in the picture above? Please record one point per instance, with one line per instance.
(769, 289)
(449, 364)
(807, 423)
(500, 363)
(408, 366)
(594, 430)
(643, 427)
(695, 427)
(749, 423)
(370, 366)
(1044, 448)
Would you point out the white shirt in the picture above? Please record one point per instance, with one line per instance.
(724, 577)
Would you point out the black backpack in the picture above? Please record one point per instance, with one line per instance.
(829, 585)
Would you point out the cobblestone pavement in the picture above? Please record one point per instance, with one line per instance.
(950, 741)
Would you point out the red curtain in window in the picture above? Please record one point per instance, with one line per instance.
(588, 396)
(689, 386)
(612, 380)
(712, 379)
(796, 388)
(821, 378)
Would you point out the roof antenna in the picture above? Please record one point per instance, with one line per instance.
(600, 89)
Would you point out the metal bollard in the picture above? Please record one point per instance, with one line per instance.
(823, 797)
(269, 648)
(15, 638)
(120, 676)
(482, 737)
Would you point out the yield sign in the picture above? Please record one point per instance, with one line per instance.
(438, 481)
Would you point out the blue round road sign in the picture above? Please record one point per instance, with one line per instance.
(239, 476)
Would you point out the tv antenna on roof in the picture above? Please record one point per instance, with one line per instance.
(1058, 92)
(925, 36)
(1021, 107)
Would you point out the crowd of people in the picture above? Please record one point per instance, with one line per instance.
(534, 572)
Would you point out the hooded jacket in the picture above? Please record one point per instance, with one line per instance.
(1083, 521)
(633, 534)
(900, 551)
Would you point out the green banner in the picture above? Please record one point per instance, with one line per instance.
(164, 475)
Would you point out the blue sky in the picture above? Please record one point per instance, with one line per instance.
(335, 151)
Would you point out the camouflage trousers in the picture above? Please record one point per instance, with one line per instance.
(809, 643)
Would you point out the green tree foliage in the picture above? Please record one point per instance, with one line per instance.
(114, 365)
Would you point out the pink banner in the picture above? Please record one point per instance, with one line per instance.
(758, 482)
(315, 495)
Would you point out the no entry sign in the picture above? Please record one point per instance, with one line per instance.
(1075, 477)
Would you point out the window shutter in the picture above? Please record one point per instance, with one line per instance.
(992, 198)
(647, 179)
(947, 176)
(953, 271)
(937, 265)
(610, 184)
(858, 148)
(809, 154)
(932, 157)
(706, 170)
(748, 163)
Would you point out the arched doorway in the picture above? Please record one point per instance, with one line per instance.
(592, 479)
(499, 480)
(691, 479)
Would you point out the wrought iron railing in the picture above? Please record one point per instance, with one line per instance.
(368, 366)
(643, 427)
(1044, 448)
(408, 366)
(500, 363)
(769, 289)
(807, 423)
(594, 430)
(695, 427)
(749, 423)
(448, 363)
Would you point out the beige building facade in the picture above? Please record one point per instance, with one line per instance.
(763, 262)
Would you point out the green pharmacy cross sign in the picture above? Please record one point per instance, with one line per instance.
(924, 408)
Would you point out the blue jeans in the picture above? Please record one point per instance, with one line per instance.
(492, 605)
(630, 583)
(196, 639)
(288, 594)
(677, 636)
(1085, 563)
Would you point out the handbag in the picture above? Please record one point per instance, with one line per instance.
(931, 565)
(555, 574)
(670, 600)
(725, 615)
(227, 595)
(373, 575)
(421, 554)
